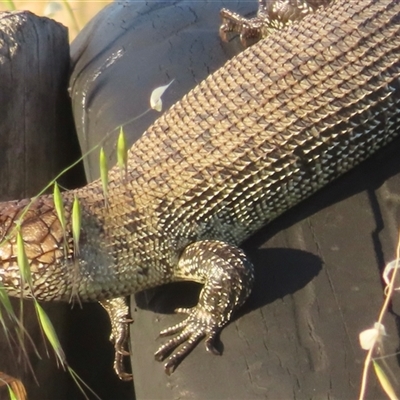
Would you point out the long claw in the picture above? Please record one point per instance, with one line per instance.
(210, 346)
(118, 311)
(119, 367)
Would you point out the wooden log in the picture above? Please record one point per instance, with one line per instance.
(37, 141)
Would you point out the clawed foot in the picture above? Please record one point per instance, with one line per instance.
(120, 343)
(198, 324)
(228, 279)
(118, 312)
(250, 30)
(272, 15)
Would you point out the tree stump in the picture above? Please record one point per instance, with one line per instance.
(37, 141)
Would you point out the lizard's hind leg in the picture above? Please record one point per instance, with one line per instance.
(228, 279)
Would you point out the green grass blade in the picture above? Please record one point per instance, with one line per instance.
(59, 205)
(76, 233)
(50, 333)
(2, 322)
(384, 381)
(23, 263)
(80, 383)
(5, 328)
(5, 301)
(122, 152)
(10, 4)
(72, 15)
(76, 224)
(11, 393)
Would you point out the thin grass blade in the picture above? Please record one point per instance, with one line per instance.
(76, 224)
(50, 333)
(384, 381)
(3, 324)
(122, 151)
(5, 301)
(59, 205)
(10, 4)
(23, 263)
(81, 384)
(71, 14)
(11, 393)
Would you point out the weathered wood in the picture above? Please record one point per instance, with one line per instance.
(35, 111)
(36, 142)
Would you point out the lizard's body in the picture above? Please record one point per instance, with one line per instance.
(271, 127)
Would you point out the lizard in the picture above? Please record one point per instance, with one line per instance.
(275, 124)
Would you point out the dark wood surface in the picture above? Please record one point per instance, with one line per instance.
(36, 142)
(318, 267)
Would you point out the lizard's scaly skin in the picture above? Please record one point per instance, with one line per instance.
(272, 126)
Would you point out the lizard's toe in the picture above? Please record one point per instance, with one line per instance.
(197, 325)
